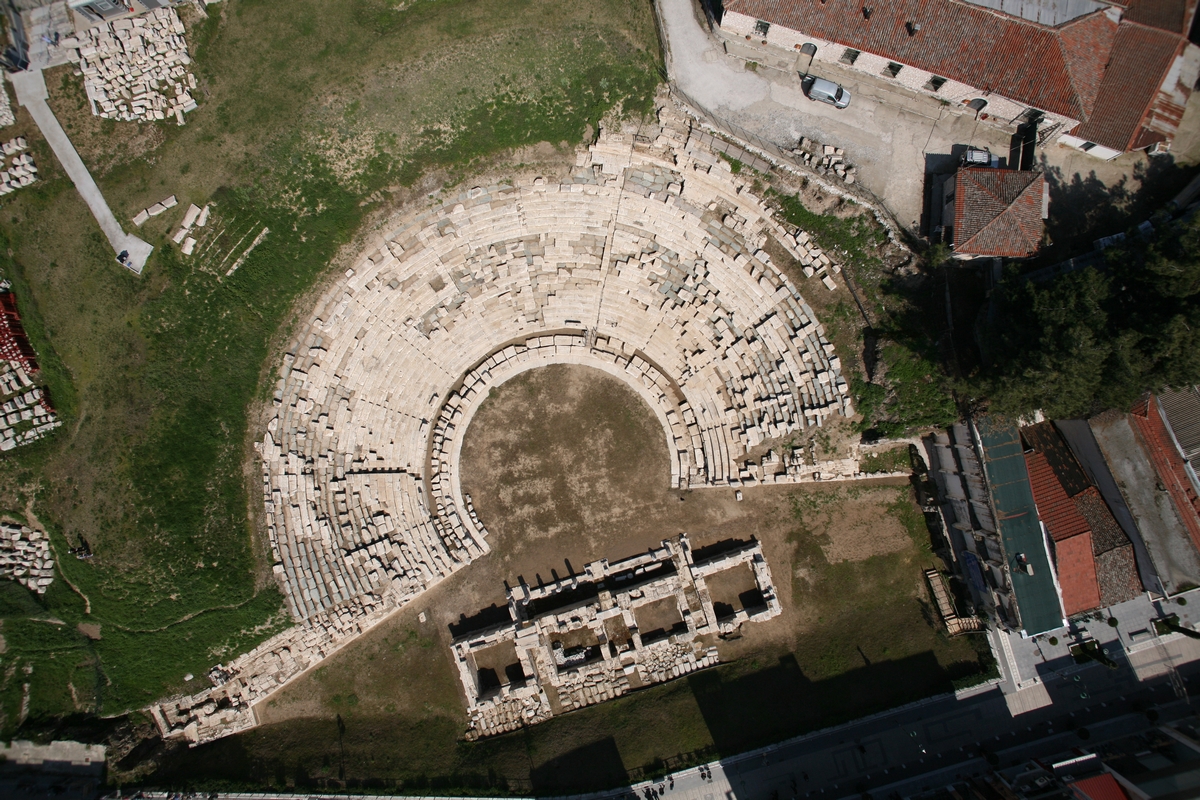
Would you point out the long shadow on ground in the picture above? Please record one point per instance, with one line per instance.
(380, 751)
(1085, 208)
(780, 702)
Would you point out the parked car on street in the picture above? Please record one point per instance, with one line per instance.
(826, 91)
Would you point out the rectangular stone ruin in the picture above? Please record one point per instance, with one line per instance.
(613, 628)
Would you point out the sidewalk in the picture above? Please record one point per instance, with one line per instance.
(31, 93)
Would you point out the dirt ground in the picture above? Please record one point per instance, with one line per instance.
(856, 531)
(565, 465)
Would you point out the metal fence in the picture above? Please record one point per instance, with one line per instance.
(770, 156)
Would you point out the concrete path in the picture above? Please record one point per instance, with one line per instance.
(31, 92)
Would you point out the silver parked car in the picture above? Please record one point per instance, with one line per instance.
(826, 91)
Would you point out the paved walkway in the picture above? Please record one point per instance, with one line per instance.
(31, 92)
(894, 136)
(887, 132)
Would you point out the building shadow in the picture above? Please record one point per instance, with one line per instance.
(587, 768)
(938, 167)
(1084, 208)
(780, 701)
(486, 618)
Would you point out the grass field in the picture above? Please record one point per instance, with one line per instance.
(856, 634)
(313, 117)
(898, 384)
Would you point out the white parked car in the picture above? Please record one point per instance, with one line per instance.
(826, 91)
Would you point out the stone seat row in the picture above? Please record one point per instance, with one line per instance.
(640, 265)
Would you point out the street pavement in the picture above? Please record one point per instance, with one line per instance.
(893, 135)
(929, 743)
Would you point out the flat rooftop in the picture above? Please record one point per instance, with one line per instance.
(1018, 525)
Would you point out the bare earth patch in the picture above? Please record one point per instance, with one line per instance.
(565, 465)
(564, 451)
(856, 530)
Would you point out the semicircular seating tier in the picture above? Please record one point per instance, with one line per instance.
(647, 265)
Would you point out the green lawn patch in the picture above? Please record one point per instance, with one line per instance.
(870, 643)
(155, 374)
(896, 459)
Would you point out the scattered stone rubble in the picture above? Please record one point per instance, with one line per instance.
(825, 159)
(648, 264)
(194, 216)
(21, 172)
(25, 557)
(7, 117)
(812, 259)
(571, 653)
(227, 708)
(135, 69)
(25, 415)
(801, 464)
(25, 410)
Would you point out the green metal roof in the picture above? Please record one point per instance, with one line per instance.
(1018, 525)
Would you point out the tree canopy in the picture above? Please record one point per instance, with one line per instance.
(1097, 337)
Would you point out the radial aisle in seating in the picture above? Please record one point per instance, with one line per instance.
(648, 265)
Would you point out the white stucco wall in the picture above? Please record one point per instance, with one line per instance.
(1001, 111)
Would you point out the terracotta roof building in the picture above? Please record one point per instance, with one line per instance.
(1099, 787)
(1093, 557)
(994, 212)
(1103, 77)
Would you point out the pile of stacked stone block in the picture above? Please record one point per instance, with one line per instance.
(826, 159)
(7, 117)
(613, 658)
(648, 263)
(25, 556)
(20, 171)
(26, 415)
(135, 69)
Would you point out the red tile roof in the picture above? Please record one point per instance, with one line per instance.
(14, 344)
(1057, 511)
(1054, 69)
(1077, 574)
(1091, 69)
(1072, 537)
(1168, 465)
(1140, 58)
(998, 212)
(1100, 787)
(1169, 15)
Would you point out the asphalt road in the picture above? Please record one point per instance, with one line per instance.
(929, 743)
